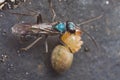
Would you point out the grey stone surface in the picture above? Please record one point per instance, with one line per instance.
(102, 64)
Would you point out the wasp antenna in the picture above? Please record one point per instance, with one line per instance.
(90, 20)
(52, 10)
(18, 15)
(37, 14)
(34, 11)
(24, 14)
(91, 37)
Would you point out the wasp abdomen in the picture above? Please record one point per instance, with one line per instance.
(21, 29)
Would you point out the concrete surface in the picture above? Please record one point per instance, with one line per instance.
(102, 64)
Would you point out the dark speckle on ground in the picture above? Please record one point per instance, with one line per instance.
(34, 64)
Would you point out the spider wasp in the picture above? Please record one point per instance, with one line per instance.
(70, 38)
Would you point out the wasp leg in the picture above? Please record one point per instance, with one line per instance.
(39, 18)
(52, 10)
(33, 43)
(46, 44)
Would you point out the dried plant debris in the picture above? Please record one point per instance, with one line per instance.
(10, 4)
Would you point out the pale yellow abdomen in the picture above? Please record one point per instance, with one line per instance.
(61, 58)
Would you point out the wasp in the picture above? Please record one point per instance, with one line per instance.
(70, 38)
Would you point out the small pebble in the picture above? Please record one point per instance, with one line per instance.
(107, 2)
(18, 51)
(40, 67)
(4, 32)
(30, 2)
(11, 65)
(26, 73)
(1, 15)
(22, 21)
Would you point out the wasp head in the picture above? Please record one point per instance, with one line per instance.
(70, 26)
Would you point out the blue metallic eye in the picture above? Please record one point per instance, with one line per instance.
(60, 27)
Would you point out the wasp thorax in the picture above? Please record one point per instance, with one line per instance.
(61, 27)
